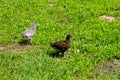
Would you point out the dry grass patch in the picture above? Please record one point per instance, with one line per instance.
(15, 47)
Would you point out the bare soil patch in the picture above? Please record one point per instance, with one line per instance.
(15, 47)
(109, 18)
(108, 68)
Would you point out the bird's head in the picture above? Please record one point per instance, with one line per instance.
(68, 36)
(34, 23)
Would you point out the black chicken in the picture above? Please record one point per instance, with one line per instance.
(62, 46)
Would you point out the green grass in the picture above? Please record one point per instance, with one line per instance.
(94, 40)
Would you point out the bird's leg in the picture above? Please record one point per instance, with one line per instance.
(62, 54)
(57, 52)
(29, 42)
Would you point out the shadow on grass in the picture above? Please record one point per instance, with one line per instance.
(23, 42)
(116, 57)
(54, 54)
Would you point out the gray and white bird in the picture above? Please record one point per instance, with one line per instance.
(29, 33)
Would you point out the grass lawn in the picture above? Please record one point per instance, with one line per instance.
(95, 46)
